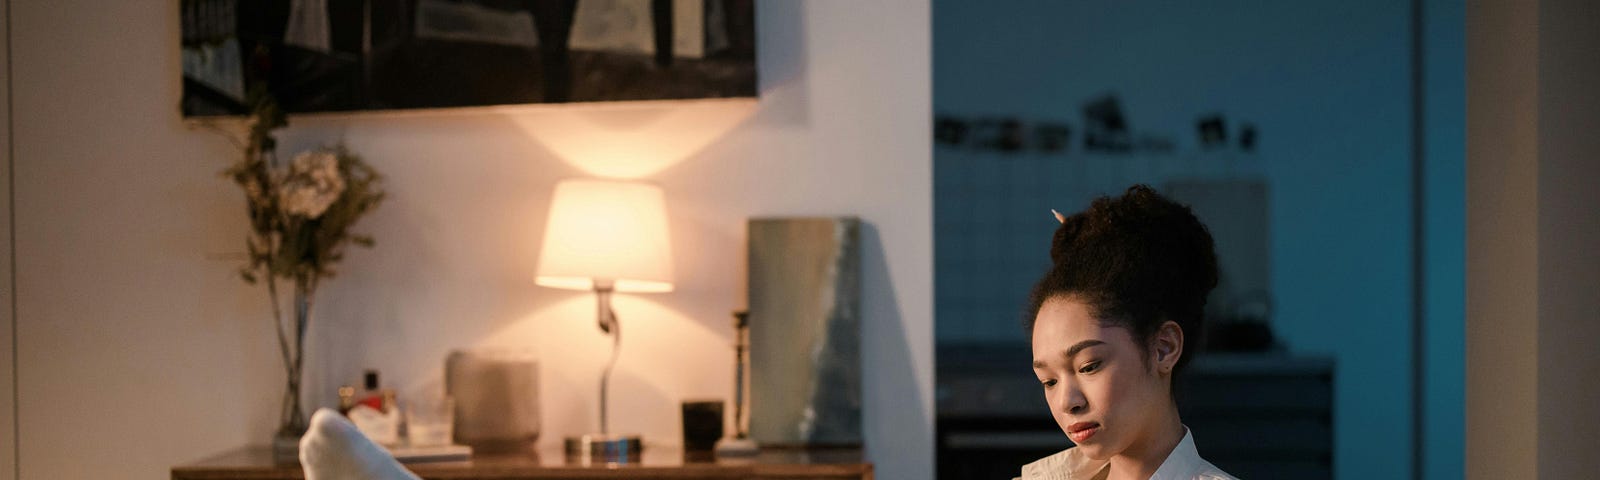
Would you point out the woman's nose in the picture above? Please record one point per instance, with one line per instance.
(1075, 402)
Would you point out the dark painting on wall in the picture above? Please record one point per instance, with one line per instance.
(358, 55)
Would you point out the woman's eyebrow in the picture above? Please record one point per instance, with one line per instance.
(1077, 347)
(1071, 352)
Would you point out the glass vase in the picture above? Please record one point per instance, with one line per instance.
(292, 422)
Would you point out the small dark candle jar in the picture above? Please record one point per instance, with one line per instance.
(702, 425)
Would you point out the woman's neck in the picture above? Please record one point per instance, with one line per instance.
(1141, 460)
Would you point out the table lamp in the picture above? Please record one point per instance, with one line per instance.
(606, 236)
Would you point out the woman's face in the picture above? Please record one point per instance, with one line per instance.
(1101, 388)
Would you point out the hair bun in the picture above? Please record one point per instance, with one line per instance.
(1065, 235)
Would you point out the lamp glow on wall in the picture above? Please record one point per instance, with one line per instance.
(606, 236)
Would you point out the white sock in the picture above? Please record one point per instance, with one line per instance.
(334, 450)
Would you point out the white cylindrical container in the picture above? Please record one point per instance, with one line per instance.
(496, 395)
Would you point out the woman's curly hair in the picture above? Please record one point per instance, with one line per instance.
(1136, 261)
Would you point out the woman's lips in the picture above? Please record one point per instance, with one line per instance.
(1081, 431)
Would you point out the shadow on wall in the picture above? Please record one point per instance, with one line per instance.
(888, 367)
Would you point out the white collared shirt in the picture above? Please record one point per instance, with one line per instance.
(1184, 463)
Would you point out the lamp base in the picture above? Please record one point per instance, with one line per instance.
(607, 448)
(737, 447)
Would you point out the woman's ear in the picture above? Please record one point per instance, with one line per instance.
(1168, 347)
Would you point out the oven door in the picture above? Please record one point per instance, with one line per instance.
(980, 448)
(992, 417)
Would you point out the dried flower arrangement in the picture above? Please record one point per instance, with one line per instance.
(300, 212)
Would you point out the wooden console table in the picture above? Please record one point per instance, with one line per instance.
(657, 463)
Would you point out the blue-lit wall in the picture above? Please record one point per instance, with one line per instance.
(1444, 224)
(1328, 86)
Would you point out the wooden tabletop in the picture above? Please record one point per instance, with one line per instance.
(256, 463)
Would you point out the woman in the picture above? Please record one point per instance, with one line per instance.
(1116, 318)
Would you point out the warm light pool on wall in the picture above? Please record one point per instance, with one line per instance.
(606, 236)
(635, 140)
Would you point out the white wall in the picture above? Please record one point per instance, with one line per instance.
(1569, 231)
(137, 344)
(8, 363)
(1502, 241)
(1533, 221)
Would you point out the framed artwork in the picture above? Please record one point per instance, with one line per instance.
(805, 331)
(363, 55)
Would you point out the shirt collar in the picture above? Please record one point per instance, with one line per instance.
(1071, 464)
(1183, 463)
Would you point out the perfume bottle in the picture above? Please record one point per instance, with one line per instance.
(372, 396)
(375, 413)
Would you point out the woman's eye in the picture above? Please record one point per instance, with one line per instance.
(1048, 383)
(1090, 367)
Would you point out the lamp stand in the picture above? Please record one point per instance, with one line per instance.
(604, 445)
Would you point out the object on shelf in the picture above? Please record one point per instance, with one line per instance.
(347, 399)
(430, 420)
(376, 413)
(496, 397)
(740, 443)
(1105, 128)
(1213, 131)
(805, 331)
(312, 198)
(1237, 213)
(702, 425)
(382, 427)
(1246, 327)
(372, 396)
(606, 236)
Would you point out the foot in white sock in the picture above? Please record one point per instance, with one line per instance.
(334, 450)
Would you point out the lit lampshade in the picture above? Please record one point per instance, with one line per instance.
(603, 231)
(606, 236)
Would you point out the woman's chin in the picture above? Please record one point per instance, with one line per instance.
(1094, 450)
